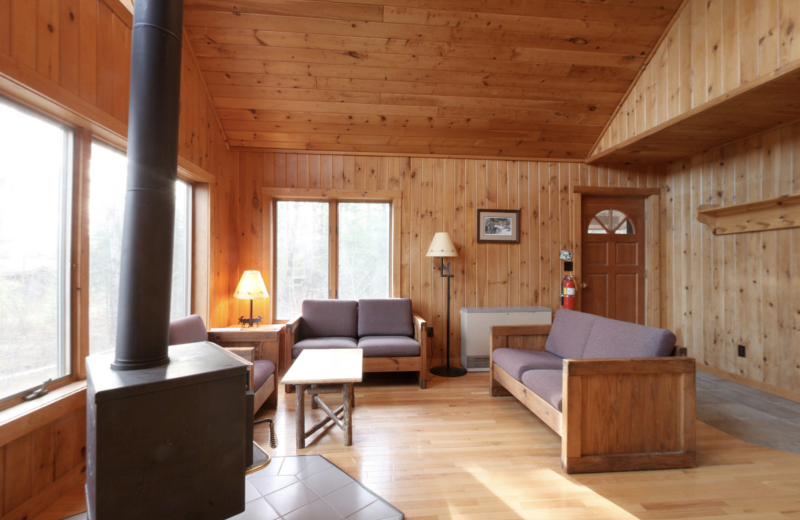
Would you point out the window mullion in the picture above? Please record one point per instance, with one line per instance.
(333, 250)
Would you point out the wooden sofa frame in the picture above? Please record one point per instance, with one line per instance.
(617, 414)
(374, 364)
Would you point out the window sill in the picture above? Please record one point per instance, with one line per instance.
(28, 416)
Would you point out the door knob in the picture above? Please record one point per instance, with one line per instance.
(584, 285)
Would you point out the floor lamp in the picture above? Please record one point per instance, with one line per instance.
(442, 246)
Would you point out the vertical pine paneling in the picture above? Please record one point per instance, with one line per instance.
(724, 291)
(444, 195)
(713, 47)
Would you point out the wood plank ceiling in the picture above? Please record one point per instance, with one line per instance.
(512, 78)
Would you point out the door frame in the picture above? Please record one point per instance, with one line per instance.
(652, 232)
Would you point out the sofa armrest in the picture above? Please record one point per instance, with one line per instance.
(619, 366)
(629, 414)
(248, 354)
(292, 331)
(527, 337)
(421, 335)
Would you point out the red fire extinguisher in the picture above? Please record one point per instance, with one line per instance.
(568, 292)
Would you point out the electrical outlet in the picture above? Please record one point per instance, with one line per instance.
(430, 332)
(742, 351)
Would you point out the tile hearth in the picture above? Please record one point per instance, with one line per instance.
(307, 487)
(310, 488)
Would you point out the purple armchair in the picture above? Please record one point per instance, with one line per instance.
(191, 329)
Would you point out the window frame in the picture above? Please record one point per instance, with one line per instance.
(333, 196)
(68, 262)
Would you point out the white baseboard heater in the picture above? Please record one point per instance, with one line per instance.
(475, 327)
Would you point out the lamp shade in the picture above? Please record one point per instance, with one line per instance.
(251, 287)
(442, 245)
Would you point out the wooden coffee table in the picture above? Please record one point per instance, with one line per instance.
(325, 367)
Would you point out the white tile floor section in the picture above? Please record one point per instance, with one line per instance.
(308, 487)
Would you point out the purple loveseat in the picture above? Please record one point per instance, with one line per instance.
(620, 394)
(392, 337)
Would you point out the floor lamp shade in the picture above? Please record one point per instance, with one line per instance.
(442, 246)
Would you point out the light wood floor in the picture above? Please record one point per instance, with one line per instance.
(452, 451)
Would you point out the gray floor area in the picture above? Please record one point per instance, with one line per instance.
(308, 487)
(748, 414)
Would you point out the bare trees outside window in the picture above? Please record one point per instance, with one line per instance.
(302, 255)
(304, 261)
(109, 172)
(364, 249)
(35, 223)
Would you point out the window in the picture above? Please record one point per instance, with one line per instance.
(306, 257)
(108, 172)
(35, 245)
(302, 255)
(610, 221)
(364, 250)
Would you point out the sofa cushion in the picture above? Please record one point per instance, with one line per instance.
(190, 329)
(317, 343)
(569, 333)
(329, 318)
(386, 317)
(516, 361)
(619, 339)
(262, 369)
(389, 346)
(547, 384)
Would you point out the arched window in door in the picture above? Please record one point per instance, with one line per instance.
(610, 221)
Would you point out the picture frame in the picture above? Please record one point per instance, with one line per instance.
(498, 226)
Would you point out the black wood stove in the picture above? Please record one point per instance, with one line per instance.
(168, 428)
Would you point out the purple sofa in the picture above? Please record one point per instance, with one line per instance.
(620, 394)
(392, 337)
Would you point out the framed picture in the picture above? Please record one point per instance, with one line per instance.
(498, 225)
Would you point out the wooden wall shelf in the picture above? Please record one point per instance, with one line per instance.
(763, 215)
(765, 103)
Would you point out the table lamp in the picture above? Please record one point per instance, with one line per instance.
(442, 246)
(251, 287)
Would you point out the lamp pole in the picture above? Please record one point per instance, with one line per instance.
(447, 370)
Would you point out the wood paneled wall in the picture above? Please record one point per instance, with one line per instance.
(713, 47)
(75, 55)
(724, 291)
(42, 456)
(444, 195)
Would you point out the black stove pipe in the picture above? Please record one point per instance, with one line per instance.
(147, 239)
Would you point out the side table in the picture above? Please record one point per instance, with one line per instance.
(264, 340)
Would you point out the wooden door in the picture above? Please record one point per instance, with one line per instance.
(612, 265)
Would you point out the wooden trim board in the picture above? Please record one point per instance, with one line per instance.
(598, 191)
(332, 194)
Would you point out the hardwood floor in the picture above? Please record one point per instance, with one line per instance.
(452, 451)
